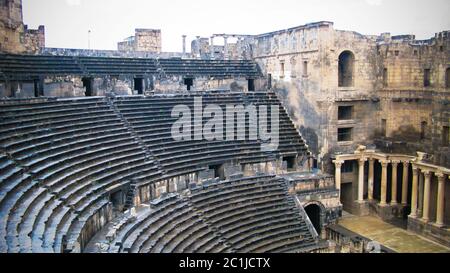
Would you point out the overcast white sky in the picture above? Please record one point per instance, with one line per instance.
(67, 21)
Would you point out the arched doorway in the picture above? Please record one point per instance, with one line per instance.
(314, 213)
(346, 69)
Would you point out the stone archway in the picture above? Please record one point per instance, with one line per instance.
(316, 213)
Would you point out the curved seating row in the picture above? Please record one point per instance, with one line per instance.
(62, 159)
(18, 67)
(253, 214)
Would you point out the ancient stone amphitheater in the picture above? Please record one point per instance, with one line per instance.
(103, 174)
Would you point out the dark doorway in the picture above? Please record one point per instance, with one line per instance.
(139, 85)
(251, 85)
(37, 88)
(87, 84)
(116, 199)
(219, 171)
(313, 212)
(189, 82)
(269, 81)
(346, 68)
(290, 163)
(385, 77)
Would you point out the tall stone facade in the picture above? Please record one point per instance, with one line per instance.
(344, 89)
(15, 37)
(145, 40)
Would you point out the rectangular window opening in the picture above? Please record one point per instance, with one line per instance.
(345, 134)
(345, 112)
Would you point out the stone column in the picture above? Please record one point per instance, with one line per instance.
(394, 182)
(421, 191)
(384, 165)
(426, 196)
(337, 177)
(225, 47)
(212, 47)
(405, 183)
(370, 178)
(361, 162)
(415, 183)
(440, 200)
(184, 44)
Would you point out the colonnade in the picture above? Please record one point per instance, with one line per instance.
(422, 177)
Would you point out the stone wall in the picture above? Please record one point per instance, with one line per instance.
(72, 86)
(15, 37)
(145, 40)
(303, 65)
(387, 90)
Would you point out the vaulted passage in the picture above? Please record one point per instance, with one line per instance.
(346, 69)
(313, 212)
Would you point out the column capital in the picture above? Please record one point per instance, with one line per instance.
(441, 177)
(406, 163)
(338, 163)
(361, 161)
(415, 169)
(395, 162)
(426, 173)
(384, 163)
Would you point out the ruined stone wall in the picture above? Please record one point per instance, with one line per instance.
(72, 86)
(387, 84)
(15, 37)
(303, 65)
(241, 49)
(145, 40)
(415, 107)
(148, 40)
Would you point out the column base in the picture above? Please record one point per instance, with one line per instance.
(429, 230)
(438, 225)
(361, 208)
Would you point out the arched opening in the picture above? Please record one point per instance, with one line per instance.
(313, 212)
(346, 68)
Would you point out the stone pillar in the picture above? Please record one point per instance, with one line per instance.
(370, 178)
(420, 194)
(384, 165)
(184, 44)
(440, 200)
(415, 183)
(426, 196)
(225, 47)
(405, 183)
(212, 47)
(337, 177)
(394, 182)
(361, 180)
